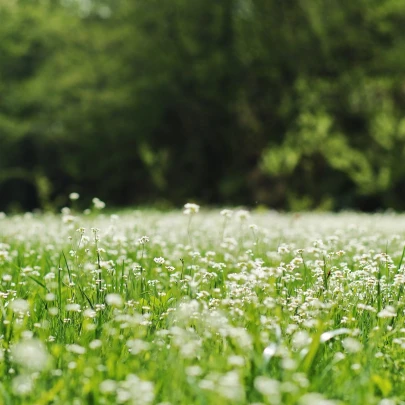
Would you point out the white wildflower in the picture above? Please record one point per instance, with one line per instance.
(387, 312)
(98, 204)
(114, 300)
(108, 386)
(22, 385)
(190, 209)
(75, 348)
(159, 260)
(242, 215)
(351, 345)
(226, 213)
(19, 306)
(74, 196)
(30, 354)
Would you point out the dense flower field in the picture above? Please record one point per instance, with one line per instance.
(194, 307)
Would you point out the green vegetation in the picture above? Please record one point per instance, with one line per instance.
(202, 308)
(296, 105)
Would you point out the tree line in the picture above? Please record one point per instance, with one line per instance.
(290, 104)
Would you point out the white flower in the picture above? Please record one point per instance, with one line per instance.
(387, 312)
(267, 386)
(73, 307)
(89, 313)
(190, 209)
(115, 300)
(301, 339)
(159, 260)
(77, 349)
(68, 219)
(3, 255)
(19, 306)
(30, 354)
(226, 213)
(98, 204)
(230, 387)
(22, 385)
(142, 240)
(135, 390)
(108, 386)
(137, 346)
(74, 196)
(50, 296)
(194, 371)
(352, 345)
(242, 215)
(95, 344)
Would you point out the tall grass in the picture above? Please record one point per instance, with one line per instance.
(150, 308)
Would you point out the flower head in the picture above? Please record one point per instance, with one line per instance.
(191, 208)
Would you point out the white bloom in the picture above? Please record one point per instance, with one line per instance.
(142, 240)
(159, 260)
(98, 204)
(95, 344)
(19, 306)
(30, 354)
(352, 345)
(77, 349)
(242, 215)
(50, 296)
(194, 371)
(89, 313)
(108, 386)
(74, 196)
(226, 213)
(135, 390)
(115, 300)
(237, 361)
(3, 255)
(68, 219)
(387, 312)
(137, 346)
(301, 339)
(73, 307)
(190, 209)
(22, 385)
(267, 386)
(230, 387)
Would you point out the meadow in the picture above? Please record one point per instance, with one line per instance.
(202, 307)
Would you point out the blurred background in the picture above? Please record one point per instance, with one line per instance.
(291, 104)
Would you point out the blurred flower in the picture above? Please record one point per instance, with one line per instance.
(387, 312)
(242, 215)
(22, 385)
(352, 345)
(191, 208)
(74, 196)
(19, 306)
(98, 204)
(114, 300)
(30, 354)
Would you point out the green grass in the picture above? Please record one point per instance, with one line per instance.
(250, 309)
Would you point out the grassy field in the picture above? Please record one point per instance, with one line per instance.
(202, 307)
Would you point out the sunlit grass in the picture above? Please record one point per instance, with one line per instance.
(202, 307)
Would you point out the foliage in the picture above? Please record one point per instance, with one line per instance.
(292, 104)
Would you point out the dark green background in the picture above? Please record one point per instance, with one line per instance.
(287, 103)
